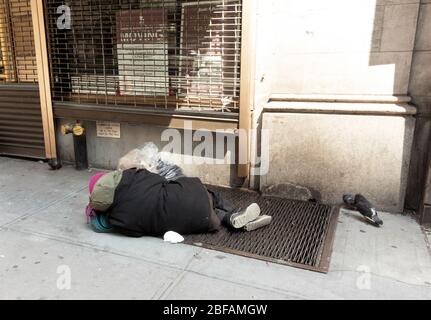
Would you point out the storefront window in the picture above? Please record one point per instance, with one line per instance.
(17, 53)
(163, 54)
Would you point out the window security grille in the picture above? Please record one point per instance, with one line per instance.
(17, 54)
(164, 54)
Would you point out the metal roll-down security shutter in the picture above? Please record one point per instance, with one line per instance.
(167, 56)
(21, 129)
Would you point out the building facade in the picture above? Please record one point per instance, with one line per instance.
(334, 96)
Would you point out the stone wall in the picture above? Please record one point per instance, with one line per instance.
(316, 56)
(336, 46)
(333, 154)
(420, 91)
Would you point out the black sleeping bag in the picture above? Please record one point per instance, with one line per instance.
(146, 204)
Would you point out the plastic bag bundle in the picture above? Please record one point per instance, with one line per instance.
(148, 157)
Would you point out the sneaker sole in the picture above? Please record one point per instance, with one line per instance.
(375, 223)
(249, 215)
(260, 222)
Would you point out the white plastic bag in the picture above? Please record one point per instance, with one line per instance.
(148, 157)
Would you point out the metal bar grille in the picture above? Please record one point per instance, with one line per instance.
(17, 54)
(164, 54)
(301, 234)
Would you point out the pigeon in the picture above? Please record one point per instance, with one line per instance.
(361, 204)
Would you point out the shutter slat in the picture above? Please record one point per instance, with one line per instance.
(21, 131)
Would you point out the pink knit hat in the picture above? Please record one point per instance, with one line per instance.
(94, 180)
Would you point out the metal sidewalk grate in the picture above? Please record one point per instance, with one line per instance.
(301, 234)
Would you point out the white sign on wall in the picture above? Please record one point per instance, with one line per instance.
(108, 129)
(142, 49)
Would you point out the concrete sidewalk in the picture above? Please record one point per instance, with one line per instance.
(44, 236)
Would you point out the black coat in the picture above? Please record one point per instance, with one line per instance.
(146, 204)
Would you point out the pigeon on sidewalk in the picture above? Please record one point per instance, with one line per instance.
(361, 204)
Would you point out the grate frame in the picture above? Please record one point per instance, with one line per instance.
(301, 234)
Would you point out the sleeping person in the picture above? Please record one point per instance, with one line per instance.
(139, 203)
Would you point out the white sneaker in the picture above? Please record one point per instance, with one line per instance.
(260, 222)
(241, 219)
